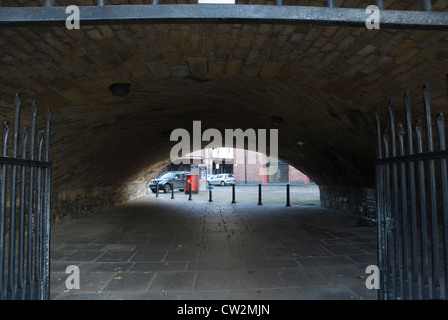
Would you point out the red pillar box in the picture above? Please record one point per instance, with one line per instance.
(264, 178)
(193, 178)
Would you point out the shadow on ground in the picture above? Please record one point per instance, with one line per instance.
(163, 248)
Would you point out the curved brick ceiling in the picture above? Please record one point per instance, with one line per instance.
(325, 82)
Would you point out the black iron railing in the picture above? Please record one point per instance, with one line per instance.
(25, 185)
(412, 198)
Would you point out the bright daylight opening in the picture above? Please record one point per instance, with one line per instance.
(215, 170)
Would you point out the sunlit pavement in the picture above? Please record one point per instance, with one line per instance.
(163, 248)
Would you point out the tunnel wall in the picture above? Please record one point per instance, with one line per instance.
(322, 82)
(350, 200)
(72, 204)
(68, 205)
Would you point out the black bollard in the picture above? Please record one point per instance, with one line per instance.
(288, 203)
(157, 189)
(172, 191)
(210, 195)
(259, 195)
(233, 193)
(189, 193)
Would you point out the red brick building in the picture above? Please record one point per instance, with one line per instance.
(247, 165)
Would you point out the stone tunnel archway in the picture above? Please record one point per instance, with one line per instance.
(324, 82)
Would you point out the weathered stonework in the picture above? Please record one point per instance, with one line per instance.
(355, 201)
(325, 82)
(69, 205)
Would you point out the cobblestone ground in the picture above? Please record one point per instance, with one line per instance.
(163, 248)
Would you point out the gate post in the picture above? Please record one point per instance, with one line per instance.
(444, 187)
(5, 136)
(380, 212)
(10, 293)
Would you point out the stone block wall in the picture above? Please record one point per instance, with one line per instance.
(356, 201)
(68, 205)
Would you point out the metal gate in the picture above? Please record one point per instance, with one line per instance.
(412, 198)
(25, 183)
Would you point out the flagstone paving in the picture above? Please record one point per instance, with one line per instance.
(163, 248)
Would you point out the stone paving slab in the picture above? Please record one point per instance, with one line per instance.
(162, 248)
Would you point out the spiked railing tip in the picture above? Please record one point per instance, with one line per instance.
(426, 93)
(17, 98)
(5, 136)
(5, 127)
(407, 99)
(418, 124)
(391, 103)
(400, 129)
(378, 115)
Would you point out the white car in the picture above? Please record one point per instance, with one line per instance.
(221, 179)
